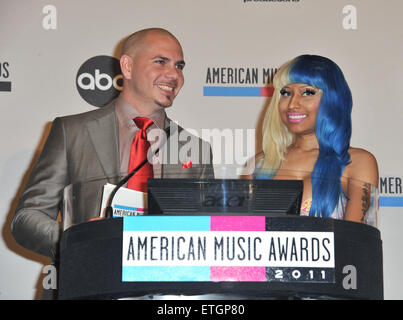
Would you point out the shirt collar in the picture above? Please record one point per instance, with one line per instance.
(125, 113)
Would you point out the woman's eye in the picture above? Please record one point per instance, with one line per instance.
(285, 93)
(308, 92)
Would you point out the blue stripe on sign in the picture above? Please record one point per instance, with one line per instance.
(134, 274)
(118, 206)
(391, 201)
(213, 91)
(166, 223)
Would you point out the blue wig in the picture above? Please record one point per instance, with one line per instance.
(333, 128)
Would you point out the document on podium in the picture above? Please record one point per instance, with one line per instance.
(126, 202)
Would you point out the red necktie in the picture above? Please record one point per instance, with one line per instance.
(138, 153)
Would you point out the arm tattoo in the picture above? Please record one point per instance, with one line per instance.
(366, 193)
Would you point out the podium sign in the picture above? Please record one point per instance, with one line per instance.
(222, 248)
(246, 256)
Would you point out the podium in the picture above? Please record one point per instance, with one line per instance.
(91, 264)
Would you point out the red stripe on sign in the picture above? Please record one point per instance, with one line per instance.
(266, 91)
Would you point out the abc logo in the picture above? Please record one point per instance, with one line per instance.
(99, 80)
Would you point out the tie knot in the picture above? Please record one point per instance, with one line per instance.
(143, 123)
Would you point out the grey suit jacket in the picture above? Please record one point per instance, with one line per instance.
(84, 149)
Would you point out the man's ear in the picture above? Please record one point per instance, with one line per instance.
(126, 65)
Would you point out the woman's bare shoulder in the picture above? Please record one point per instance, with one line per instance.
(259, 156)
(251, 164)
(363, 166)
(359, 154)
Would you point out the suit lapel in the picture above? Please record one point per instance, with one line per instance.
(174, 145)
(103, 134)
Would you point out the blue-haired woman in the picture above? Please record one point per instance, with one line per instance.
(306, 135)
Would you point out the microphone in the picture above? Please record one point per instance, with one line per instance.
(109, 209)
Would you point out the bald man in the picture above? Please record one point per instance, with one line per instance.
(94, 147)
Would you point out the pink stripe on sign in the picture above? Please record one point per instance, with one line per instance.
(237, 274)
(235, 223)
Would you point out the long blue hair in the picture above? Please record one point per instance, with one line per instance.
(333, 128)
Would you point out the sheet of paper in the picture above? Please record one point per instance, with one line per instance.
(126, 202)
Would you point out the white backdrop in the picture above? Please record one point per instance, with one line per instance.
(44, 43)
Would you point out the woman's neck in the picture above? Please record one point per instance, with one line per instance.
(306, 142)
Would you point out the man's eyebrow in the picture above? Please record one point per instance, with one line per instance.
(161, 58)
(180, 62)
